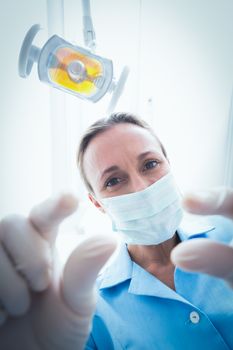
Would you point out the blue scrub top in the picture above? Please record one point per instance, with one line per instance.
(137, 311)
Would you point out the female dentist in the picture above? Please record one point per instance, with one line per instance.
(144, 302)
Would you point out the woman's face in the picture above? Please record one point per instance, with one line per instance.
(124, 159)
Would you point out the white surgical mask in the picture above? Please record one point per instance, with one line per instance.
(147, 217)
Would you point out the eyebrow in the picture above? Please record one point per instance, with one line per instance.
(115, 167)
(109, 170)
(144, 154)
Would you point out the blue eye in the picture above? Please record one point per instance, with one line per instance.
(112, 182)
(150, 165)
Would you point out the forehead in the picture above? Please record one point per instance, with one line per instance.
(121, 140)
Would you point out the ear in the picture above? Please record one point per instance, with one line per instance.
(96, 203)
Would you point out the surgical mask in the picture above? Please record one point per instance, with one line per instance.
(147, 217)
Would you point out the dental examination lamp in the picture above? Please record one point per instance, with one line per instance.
(72, 68)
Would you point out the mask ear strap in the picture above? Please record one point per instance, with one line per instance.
(96, 203)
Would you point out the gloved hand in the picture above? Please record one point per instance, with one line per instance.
(203, 255)
(42, 306)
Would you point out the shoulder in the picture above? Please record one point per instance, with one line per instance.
(222, 228)
(214, 227)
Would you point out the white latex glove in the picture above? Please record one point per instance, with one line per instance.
(43, 307)
(203, 255)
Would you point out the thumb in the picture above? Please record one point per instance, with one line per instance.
(205, 256)
(217, 201)
(47, 216)
(81, 271)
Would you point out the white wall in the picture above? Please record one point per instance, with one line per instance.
(188, 49)
(25, 125)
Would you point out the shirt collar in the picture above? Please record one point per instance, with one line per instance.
(194, 226)
(119, 270)
(123, 268)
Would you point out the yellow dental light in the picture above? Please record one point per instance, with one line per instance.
(75, 71)
(70, 68)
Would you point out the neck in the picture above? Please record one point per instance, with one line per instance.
(156, 255)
